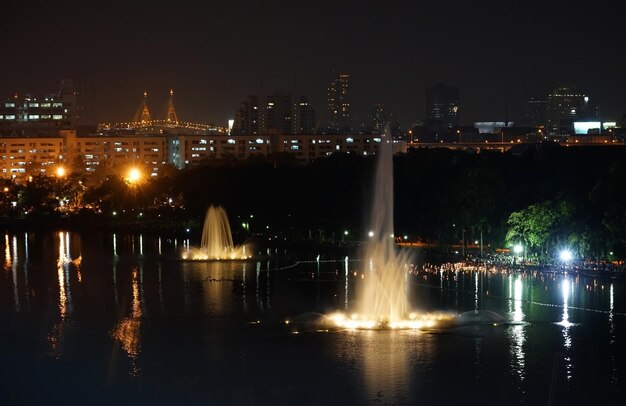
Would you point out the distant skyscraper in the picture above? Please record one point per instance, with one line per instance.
(442, 105)
(535, 112)
(566, 105)
(377, 118)
(78, 95)
(303, 116)
(248, 120)
(338, 103)
(274, 114)
(279, 113)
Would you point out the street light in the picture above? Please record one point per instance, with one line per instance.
(134, 175)
(60, 171)
(566, 255)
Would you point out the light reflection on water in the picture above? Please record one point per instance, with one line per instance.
(517, 329)
(128, 331)
(138, 294)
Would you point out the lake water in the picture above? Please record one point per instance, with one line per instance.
(97, 318)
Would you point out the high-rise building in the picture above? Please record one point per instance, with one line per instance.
(78, 95)
(279, 113)
(248, 118)
(274, 114)
(442, 105)
(303, 117)
(535, 113)
(565, 105)
(338, 103)
(376, 119)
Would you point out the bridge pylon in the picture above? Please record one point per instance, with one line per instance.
(142, 116)
(171, 117)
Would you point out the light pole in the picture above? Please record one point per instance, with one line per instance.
(463, 243)
(481, 242)
(60, 174)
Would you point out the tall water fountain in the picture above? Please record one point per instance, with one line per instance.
(384, 294)
(384, 301)
(217, 240)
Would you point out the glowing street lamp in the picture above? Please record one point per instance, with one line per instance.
(566, 255)
(518, 249)
(134, 175)
(60, 171)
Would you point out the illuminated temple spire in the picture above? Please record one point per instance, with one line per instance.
(172, 118)
(142, 116)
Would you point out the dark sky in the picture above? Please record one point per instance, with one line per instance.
(215, 53)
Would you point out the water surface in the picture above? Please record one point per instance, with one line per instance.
(110, 318)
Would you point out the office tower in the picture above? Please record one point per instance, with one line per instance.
(338, 103)
(78, 95)
(565, 105)
(277, 113)
(535, 112)
(303, 116)
(442, 105)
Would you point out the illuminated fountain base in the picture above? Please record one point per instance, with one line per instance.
(415, 321)
(217, 241)
(317, 322)
(242, 252)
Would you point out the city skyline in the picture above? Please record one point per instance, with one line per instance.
(214, 56)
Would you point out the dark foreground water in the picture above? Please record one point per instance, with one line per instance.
(113, 319)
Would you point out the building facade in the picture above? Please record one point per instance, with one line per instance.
(564, 106)
(442, 106)
(338, 103)
(28, 155)
(31, 112)
(278, 113)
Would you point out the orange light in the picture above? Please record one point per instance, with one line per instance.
(134, 175)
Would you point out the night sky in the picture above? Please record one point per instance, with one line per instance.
(213, 54)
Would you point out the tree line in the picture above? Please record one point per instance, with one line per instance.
(544, 197)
